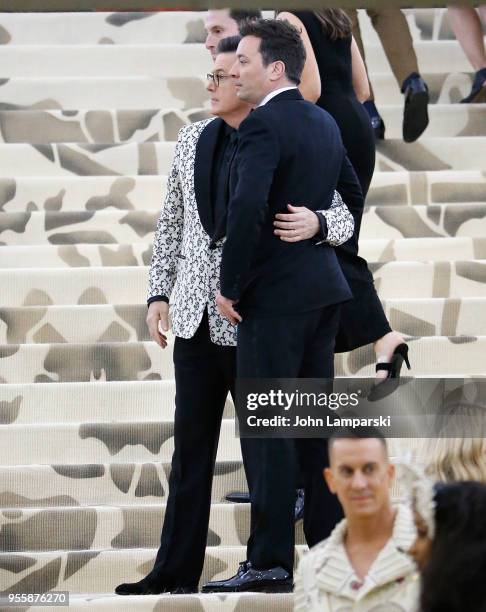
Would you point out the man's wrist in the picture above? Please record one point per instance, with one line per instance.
(157, 298)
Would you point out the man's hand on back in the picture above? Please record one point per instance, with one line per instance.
(158, 322)
(300, 224)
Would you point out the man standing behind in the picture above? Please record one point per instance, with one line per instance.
(363, 565)
(287, 294)
(222, 23)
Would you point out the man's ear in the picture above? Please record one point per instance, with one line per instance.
(278, 70)
(329, 478)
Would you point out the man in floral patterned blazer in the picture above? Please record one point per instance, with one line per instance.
(186, 269)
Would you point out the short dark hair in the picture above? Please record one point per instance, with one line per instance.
(357, 433)
(228, 45)
(241, 16)
(280, 41)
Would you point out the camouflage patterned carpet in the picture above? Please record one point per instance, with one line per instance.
(90, 107)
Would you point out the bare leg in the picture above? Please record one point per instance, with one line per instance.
(467, 28)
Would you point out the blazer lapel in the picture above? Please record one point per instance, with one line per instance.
(205, 149)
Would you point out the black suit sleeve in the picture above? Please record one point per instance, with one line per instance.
(255, 161)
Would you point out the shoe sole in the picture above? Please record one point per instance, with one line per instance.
(415, 117)
(257, 589)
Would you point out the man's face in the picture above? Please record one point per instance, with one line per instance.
(360, 475)
(251, 76)
(218, 25)
(223, 97)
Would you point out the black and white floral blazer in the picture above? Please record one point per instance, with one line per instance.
(183, 266)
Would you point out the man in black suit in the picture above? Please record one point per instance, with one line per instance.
(285, 296)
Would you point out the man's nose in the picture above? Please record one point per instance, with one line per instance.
(210, 85)
(358, 481)
(209, 44)
(234, 72)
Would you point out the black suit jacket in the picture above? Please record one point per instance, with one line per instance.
(289, 151)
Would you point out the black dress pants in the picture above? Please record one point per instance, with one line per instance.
(204, 374)
(291, 346)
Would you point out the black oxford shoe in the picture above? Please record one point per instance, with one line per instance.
(150, 586)
(274, 580)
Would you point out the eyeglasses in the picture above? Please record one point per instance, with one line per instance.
(216, 78)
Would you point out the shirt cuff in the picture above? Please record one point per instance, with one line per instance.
(322, 235)
(157, 298)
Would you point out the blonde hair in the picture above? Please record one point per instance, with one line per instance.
(455, 455)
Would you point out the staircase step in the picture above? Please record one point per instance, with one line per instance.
(111, 126)
(424, 188)
(76, 255)
(256, 602)
(106, 126)
(103, 28)
(120, 484)
(125, 227)
(100, 285)
(459, 153)
(105, 527)
(440, 220)
(146, 193)
(138, 361)
(73, 194)
(126, 442)
(100, 571)
(126, 323)
(169, 60)
(148, 158)
(95, 251)
(85, 402)
(142, 91)
(159, 60)
(88, 285)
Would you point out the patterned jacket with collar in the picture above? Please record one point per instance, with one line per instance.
(326, 581)
(183, 266)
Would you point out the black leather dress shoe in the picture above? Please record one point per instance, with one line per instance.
(150, 586)
(274, 580)
(238, 497)
(415, 111)
(376, 121)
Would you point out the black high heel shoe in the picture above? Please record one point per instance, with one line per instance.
(388, 385)
(393, 367)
